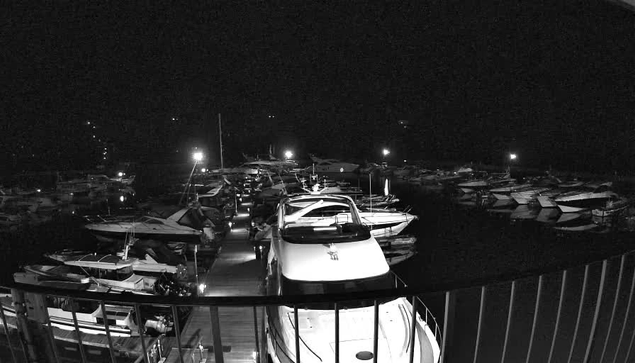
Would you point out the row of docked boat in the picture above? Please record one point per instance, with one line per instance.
(377, 212)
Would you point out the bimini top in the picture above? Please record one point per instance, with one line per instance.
(309, 219)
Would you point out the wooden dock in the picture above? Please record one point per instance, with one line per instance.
(234, 272)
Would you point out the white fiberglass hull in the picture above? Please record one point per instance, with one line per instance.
(546, 202)
(356, 327)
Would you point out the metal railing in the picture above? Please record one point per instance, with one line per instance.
(582, 314)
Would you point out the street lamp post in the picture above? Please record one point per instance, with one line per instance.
(197, 156)
(512, 158)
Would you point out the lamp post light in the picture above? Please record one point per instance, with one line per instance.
(385, 152)
(288, 154)
(512, 158)
(197, 156)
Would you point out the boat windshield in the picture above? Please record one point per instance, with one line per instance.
(296, 287)
(107, 274)
(335, 233)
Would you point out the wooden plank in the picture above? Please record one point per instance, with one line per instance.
(234, 272)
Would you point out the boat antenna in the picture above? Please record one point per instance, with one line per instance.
(370, 189)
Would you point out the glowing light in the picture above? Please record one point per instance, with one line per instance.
(198, 156)
(38, 190)
(404, 160)
(341, 170)
(201, 288)
(512, 156)
(230, 224)
(122, 198)
(120, 174)
(385, 152)
(203, 170)
(288, 154)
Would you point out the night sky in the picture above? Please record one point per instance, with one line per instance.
(553, 81)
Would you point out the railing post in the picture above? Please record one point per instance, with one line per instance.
(628, 309)
(77, 331)
(512, 294)
(6, 331)
(375, 330)
(598, 304)
(113, 358)
(297, 333)
(448, 321)
(263, 347)
(256, 334)
(141, 329)
(51, 333)
(337, 332)
(481, 311)
(26, 339)
(577, 322)
(177, 332)
(535, 320)
(217, 341)
(413, 329)
(563, 285)
(617, 294)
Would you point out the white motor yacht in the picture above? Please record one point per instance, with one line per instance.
(581, 200)
(336, 254)
(331, 166)
(186, 225)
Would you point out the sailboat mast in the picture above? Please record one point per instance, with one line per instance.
(220, 137)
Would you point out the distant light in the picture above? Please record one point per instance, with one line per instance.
(88, 123)
(288, 154)
(120, 174)
(512, 156)
(404, 160)
(38, 190)
(94, 136)
(198, 156)
(341, 170)
(203, 170)
(122, 198)
(201, 288)
(230, 224)
(385, 152)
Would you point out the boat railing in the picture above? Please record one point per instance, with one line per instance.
(99, 218)
(421, 307)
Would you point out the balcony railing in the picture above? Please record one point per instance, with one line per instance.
(583, 314)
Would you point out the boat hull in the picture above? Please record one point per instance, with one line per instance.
(109, 235)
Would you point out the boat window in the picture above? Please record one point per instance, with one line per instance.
(191, 219)
(208, 202)
(336, 233)
(152, 221)
(328, 211)
(296, 287)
